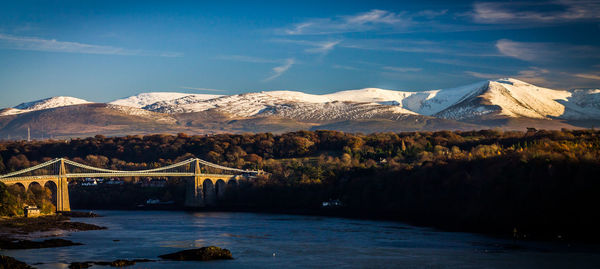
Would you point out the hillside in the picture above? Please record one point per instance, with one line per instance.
(505, 103)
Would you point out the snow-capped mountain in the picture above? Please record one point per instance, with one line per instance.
(499, 98)
(517, 99)
(52, 102)
(506, 103)
(144, 99)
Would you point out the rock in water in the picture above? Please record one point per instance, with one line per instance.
(7, 262)
(201, 254)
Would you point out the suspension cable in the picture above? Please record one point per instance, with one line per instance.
(30, 168)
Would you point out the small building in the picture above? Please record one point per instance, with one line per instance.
(31, 211)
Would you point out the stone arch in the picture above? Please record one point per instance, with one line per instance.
(51, 185)
(220, 189)
(232, 184)
(210, 197)
(22, 187)
(35, 186)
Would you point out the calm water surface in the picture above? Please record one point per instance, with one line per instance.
(284, 241)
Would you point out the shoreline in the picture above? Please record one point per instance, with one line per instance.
(25, 233)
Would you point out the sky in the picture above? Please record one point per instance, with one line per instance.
(104, 50)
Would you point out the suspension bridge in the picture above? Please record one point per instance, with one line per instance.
(206, 181)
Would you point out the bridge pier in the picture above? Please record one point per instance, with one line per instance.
(62, 196)
(194, 193)
(62, 190)
(206, 190)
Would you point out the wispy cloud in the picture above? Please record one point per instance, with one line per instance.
(345, 67)
(455, 48)
(430, 14)
(373, 19)
(318, 47)
(399, 45)
(324, 47)
(248, 59)
(53, 45)
(536, 11)
(521, 50)
(483, 75)
(545, 52)
(279, 70)
(588, 76)
(402, 69)
(535, 75)
(201, 89)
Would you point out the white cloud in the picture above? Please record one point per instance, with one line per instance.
(536, 12)
(361, 22)
(402, 69)
(324, 47)
(279, 70)
(53, 45)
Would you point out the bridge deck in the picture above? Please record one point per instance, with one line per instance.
(95, 175)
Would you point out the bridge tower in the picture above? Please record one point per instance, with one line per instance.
(194, 191)
(62, 190)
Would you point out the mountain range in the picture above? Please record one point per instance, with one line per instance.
(504, 103)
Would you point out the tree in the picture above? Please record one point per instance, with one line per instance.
(18, 162)
(2, 167)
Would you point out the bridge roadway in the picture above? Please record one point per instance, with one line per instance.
(202, 189)
(117, 174)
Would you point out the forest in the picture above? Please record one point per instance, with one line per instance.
(537, 184)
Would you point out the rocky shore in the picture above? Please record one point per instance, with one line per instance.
(19, 225)
(16, 232)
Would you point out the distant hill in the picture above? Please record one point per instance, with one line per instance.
(504, 103)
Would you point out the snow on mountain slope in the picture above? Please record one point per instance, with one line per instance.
(134, 111)
(502, 98)
(582, 104)
(345, 104)
(148, 98)
(11, 111)
(52, 102)
(509, 98)
(277, 103)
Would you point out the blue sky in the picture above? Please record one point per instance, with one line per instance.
(104, 50)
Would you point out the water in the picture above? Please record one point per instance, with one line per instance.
(284, 241)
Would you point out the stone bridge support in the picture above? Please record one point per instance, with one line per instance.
(62, 190)
(205, 190)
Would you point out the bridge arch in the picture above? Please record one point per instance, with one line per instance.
(51, 185)
(21, 187)
(35, 187)
(220, 187)
(210, 198)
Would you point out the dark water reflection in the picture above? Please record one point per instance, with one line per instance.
(283, 241)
